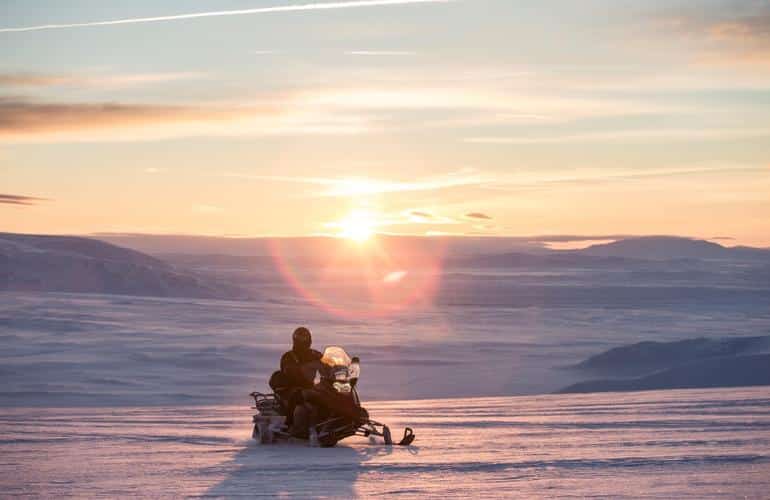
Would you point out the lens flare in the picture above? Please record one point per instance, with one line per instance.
(394, 277)
(388, 275)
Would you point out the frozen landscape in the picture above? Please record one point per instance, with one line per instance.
(113, 394)
(670, 444)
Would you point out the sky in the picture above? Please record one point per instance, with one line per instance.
(425, 117)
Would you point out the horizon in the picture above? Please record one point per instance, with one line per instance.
(349, 119)
(554, 242)
(544, 239)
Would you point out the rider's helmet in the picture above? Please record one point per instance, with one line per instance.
(301, 339)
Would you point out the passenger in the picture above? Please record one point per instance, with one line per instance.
(298, 371)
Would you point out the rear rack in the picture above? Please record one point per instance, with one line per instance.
(266, 404)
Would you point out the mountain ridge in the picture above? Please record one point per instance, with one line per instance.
(672, 247)
(81, 265)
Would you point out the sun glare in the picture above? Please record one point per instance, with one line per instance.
(358, 226)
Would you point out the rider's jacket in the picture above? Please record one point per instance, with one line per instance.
(300, 368)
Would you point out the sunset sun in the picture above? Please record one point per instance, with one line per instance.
(358, 226)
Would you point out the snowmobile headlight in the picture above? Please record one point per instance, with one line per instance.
(343, 387)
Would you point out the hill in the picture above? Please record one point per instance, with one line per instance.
(673, 247)
(684, 364)
(737, 371)
(646, 357)
(83, 265)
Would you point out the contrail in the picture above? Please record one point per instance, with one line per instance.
(240, 12)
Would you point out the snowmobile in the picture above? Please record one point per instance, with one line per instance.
(333, 404)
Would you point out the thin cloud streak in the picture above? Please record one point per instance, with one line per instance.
(19, 117)
(592, 179)
(24, 120)
(380, 53)
(728, 34)
(421, 217)
(662, 135)
(352, 187)
(30, 80)
(15, 199)
(360, 187)
(101, 81)
(239, 12)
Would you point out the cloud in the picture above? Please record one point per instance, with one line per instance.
(473, 100)
(388, 106)
(421, 217)
(728, 33)
(357, 187)
(472, 180)
(239, 12)
(100, 81)
(597, 177)
(477, 216)
(437, 234)
(663, 135)
(301, 111)
(737, 21)
(14, 199)
(29, 80)
(380, 53)
(25, 120)
(22, 118)
(565, 238)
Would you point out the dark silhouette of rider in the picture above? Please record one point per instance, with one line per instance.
(298, 371)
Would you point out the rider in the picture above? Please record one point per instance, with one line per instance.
(298, 370)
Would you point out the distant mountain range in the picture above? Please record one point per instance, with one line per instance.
(646, 357)
(685, 364)
(622, 253)
(739, 371)
(548, 259)
(672, 247)
(83, 265)
(470, 250)
(190, 266)
(310, 247)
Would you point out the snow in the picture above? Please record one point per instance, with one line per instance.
(118, 396)
(79, 349)
(670, 444)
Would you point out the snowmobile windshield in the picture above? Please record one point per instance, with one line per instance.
(335, 356)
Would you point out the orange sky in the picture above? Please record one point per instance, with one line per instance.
(445, 117)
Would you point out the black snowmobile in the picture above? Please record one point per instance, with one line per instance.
(332, 409)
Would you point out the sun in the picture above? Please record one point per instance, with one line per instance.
(358, 226)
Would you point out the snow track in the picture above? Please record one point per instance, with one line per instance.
(697, 443)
